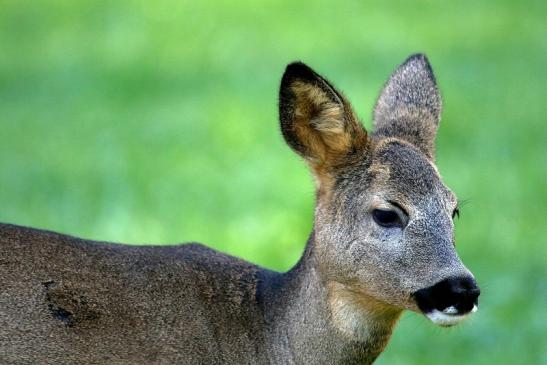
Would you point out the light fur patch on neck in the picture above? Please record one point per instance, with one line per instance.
(359, 316)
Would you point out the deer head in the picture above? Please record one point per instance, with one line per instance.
(383, 229)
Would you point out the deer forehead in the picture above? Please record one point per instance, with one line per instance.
(397, 171)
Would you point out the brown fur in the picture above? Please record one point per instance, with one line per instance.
(326, 127)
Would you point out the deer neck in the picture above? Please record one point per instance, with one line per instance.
(317, 320)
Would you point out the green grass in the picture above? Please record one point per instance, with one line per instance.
(157, 122)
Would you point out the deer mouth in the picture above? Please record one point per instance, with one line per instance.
(449, 316)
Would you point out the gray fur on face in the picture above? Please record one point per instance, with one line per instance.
(393, 263)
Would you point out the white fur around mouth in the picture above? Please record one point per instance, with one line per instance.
(448, 316)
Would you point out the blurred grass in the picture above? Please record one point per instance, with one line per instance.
(157, 122)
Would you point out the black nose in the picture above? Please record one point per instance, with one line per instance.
(462, 293)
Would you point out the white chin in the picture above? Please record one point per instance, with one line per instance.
(448, 317)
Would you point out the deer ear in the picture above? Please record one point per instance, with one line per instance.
(316, 121)
(409, 106)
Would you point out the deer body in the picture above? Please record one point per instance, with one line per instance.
(382, 243)
(70, 301)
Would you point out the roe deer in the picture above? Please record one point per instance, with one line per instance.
(382, 242)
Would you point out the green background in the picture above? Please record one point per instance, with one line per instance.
(156, 121)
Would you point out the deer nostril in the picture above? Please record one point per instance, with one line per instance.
(466, 303)
(475, 293)
(466, 294)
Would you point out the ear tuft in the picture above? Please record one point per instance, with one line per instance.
(409, 106)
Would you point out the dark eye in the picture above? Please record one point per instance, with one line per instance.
(386, 218)
(456, 213)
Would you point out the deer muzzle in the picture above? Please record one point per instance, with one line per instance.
(449, 301)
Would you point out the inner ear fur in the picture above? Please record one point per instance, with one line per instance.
(316, 120)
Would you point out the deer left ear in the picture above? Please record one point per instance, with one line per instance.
(316, 120)
(409, 106)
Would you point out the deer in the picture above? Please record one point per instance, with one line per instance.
(382, 242)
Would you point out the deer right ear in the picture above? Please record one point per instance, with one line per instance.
(316, 121)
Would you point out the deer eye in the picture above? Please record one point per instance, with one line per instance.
(386, 218)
